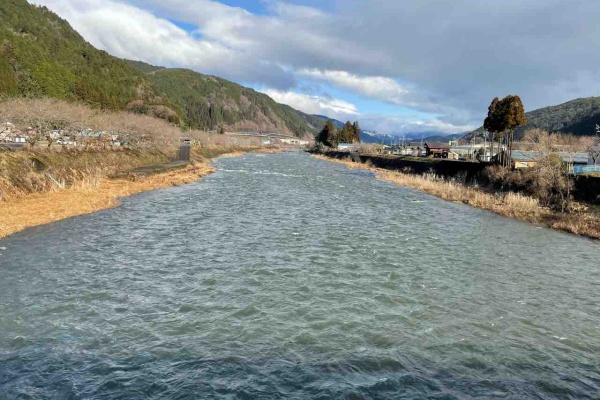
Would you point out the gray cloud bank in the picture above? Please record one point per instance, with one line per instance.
(448, 58)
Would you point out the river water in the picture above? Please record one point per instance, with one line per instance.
(282, 276)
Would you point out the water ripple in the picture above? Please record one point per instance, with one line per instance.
(282, 276)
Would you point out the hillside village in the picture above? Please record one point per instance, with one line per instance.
(15, 137)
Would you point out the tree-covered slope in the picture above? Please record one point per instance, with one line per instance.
(209, 102)
(578, 117)
(41, 55)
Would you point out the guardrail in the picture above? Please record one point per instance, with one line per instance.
(586, 169)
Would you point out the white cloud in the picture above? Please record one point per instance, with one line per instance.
(450, 58)
(375, 87)
(334, 108)
(397, 125)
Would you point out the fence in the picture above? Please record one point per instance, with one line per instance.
(586, 169)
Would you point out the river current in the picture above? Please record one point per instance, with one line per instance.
(283, 276)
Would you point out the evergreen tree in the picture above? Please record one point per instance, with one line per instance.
(328, 135)
(503, 115)
(347, 134)
(356, 128)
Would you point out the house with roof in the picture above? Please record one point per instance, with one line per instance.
(528, 159)
(7, 132)
(437, 149)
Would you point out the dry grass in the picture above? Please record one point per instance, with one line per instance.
(42, 208)
(582, 222)
(23, 173)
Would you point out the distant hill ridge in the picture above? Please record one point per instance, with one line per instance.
(578, 117)
(41, 55)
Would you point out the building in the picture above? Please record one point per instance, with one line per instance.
(415, 149)
(437, 149)
(10, 134)
(527, 159)
(348, 146)
(292, 140)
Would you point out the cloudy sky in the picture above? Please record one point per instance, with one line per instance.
(397, 66)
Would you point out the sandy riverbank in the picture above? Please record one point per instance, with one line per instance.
(42, 208)
(50, 206)
(584, 223)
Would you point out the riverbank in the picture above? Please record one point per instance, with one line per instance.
(43, 208)
(585, 222)
(91, 195)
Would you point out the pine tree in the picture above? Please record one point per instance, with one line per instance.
(356, 128)
(328, 135)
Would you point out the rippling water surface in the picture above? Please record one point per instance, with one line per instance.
(282, 276)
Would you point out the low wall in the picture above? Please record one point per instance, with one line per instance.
(442, 167)
(587, 188)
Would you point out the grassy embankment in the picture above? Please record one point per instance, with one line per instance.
(46, 186)
(46, 183)
(586, 222)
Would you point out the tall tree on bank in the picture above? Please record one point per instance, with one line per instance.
(328, 135)
(492, 123)
(347, 135)
(356, 128)
(503, 115)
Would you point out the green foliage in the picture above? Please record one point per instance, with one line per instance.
(8, 80)
(331, 136)
(347, 134)
(42, 56)
(577, 117)
(49, 59)
(328, 135)
(208, 102)
(356, 129)
(505, 114)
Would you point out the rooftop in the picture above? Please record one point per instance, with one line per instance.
(576, 158)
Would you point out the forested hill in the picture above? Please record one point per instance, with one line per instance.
(577, 117)
(207, 102)
(41, 55)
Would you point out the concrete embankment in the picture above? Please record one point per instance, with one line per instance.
(586, 188)
(441, 167)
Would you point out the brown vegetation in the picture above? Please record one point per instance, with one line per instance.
(42, 208)
(45, 184)
(580, 220)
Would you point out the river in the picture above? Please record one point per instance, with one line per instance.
(283, 276)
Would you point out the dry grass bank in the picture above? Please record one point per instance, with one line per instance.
(23, 173)
(584, 222)
(42, 208)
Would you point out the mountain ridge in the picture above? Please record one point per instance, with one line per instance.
(578, 117)
(41, 55)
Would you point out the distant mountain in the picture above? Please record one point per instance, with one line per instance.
(577, 117)
(41, 55)
(376, 137)
(207, 102)
(366, 136)
(443, 138)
